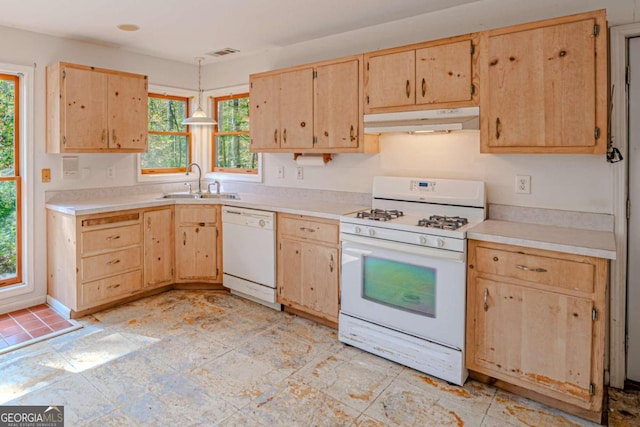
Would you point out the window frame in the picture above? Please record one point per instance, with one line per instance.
(17, 178)
(165, 171)
(255, 172)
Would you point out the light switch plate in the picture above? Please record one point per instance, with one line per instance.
(45, 175)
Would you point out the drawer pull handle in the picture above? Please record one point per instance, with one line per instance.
(113, 286)
(113, 262)
(275, 136)
(535, 270)
(284, 135)
(424, 87)
(116, 237)
(310, 230)
(486, 298)
(184, 238)
(498, 128)
(408, 89)
(331, 264)
(352, 136)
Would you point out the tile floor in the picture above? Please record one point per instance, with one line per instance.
(23, 325)
(208, 358)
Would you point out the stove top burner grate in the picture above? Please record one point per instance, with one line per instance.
(443, 222)
(380, 214)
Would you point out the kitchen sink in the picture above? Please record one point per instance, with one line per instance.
(200, 195)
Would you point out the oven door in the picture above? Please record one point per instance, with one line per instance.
(412, 289)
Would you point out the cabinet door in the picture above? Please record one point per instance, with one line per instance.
(320, 280)
(84, 111)
(290, 271)
(196, 253)
(390, 80)
(337, 105)
(265, 112)
(539, 88)
(443, 73)
(538, 337)
(158, 247)
(296, 109)
(128, 113)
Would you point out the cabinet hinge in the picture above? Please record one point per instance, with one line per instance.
(594, 314)
(367, 99)
(217, 271)
(315, 140)
(367, 66)
(627, 75)
(64, 139)
(315, 74)
(592, 389)
(596, 134)
(473, 49)
(473, 90)
(64, 74)
(217, 234)
(596, 30)
(628, 208)
(172, 272)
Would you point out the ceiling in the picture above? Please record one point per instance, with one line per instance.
(183, 30)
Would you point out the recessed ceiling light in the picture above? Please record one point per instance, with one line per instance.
(128, 27)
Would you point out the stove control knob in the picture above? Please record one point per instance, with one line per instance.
(358, 230)
(372, 232)
(440, 242)
(423, 240)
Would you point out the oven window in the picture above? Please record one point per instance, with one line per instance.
(404, 286)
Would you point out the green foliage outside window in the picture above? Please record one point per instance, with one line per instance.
(232, 135)
(8, 208)
(168, 137)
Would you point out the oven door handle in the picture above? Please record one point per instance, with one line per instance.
(442, 254)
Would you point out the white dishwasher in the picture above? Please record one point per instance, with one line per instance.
(249, 254)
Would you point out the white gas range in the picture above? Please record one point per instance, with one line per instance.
(403, 277)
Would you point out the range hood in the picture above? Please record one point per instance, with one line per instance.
(423, 121)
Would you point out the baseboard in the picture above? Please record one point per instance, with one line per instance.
(630, 385)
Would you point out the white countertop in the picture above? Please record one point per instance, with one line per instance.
(600, 244)
(316, 208)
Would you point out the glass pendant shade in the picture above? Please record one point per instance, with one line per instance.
(199, 117)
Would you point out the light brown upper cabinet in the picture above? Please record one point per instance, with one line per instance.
(314, 108)
(93, 110)
(544, 86)
(437, 74)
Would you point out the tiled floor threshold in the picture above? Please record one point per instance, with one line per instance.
(21, 326)
(208, 358)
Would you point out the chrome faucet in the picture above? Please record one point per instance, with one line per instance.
(199, 175)
(217, 184)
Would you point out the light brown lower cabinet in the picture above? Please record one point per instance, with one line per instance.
(309, 266)
(93, 259)
(100, 259)
(197, 243)
(158, 247)
(536, 324)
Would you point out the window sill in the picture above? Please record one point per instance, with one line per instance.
(225, 176)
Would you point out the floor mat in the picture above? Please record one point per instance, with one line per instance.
(30, 325)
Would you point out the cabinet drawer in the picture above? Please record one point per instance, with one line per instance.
(104, 290)
(556, 272)
(111, 263)
(309, 229)
(196, 214)
(110, 238)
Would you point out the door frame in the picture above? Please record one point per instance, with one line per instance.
(619, 130)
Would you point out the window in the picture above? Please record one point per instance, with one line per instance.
(231, 136)
(10, 182)
(169, 140)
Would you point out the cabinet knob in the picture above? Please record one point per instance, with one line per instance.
(495, 258)
(303, 124)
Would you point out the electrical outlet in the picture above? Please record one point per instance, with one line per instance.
(523, 184)
(300, 172)
(280, 172)
(111, 172)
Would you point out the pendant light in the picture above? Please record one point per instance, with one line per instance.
(199, 117)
